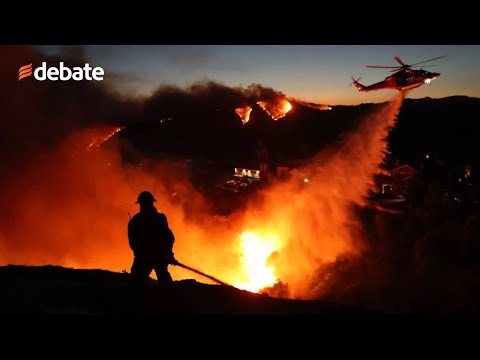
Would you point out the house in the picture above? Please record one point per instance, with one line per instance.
(398, 181)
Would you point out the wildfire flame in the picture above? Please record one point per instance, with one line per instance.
(99, 138)
(244, 113)
(255, 251)
(276, 109)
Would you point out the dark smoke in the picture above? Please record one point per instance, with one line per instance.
(204, 96)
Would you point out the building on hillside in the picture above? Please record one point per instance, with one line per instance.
(398, 181)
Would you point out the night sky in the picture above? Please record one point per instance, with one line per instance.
(314, 73)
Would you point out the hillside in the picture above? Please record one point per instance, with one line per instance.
(424, 125)
(54, 290)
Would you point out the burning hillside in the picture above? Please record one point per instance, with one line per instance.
(276, 109)
(244, 113)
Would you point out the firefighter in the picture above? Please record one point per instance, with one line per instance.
(151, 241)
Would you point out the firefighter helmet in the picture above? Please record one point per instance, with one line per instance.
(145, 197)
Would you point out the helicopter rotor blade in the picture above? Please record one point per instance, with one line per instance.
(404, 66)
(422, 66)
(399, 61)
(382, 67)
(421, 62)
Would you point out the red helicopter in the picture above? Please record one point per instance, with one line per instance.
(405, 78)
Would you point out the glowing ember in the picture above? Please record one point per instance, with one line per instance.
(100, 138)
(244, 113)
(255, 251)
(276, 109)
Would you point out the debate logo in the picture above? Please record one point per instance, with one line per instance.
(62, 73)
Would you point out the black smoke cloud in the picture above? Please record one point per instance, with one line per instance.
(204, 96)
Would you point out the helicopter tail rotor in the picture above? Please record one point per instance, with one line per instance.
(356, 83)
(355, 80)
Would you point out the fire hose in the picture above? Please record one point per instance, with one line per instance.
(201, 273)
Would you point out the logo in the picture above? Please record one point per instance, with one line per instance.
(62, 73)
(24, 71)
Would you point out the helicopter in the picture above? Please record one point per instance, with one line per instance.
(404, 77)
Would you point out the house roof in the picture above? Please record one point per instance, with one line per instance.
(404, 168)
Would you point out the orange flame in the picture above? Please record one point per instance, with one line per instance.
(276, 109)
(244, 113)
(255, 251)
(99, 136)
